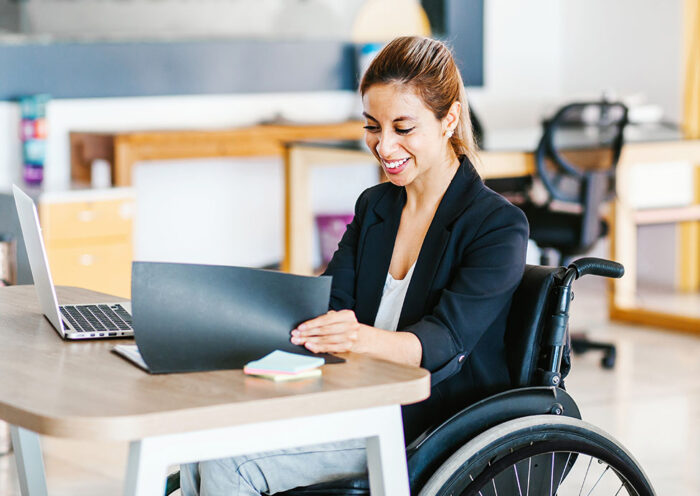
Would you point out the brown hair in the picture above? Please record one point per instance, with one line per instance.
(429, 67)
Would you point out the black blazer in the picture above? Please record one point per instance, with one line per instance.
(471, 262)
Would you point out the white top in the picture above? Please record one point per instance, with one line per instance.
(393, 296)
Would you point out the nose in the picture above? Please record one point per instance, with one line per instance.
(386, 144)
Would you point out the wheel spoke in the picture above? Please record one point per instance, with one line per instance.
(529, 466)
(493, 481)
(472, 478)
(585, 476)
(517, 479)
(551, 476)
(596, 482)
(562, 473)
(618, 491)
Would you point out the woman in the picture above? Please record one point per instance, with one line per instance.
(432, 253)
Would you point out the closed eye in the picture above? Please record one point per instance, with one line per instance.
(371, 129)
(405, 131)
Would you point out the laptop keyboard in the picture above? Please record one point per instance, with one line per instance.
(91, 318)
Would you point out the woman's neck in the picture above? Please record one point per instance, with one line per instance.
(427, 190)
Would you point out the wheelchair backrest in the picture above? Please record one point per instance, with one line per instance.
(527, 322)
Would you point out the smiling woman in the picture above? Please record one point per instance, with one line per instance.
(432, 254)
(429, 70)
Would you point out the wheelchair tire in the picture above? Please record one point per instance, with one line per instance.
(540, 455)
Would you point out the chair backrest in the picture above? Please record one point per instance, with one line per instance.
(582, 139)
(527, 322)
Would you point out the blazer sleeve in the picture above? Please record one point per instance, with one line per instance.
(487, 275)
(343, 264)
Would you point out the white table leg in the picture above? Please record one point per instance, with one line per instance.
(146, 471)
(150, 458)
(386, 460)
(30, 464)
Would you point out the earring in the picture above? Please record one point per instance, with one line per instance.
(449, 133)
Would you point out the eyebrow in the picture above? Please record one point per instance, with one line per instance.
(398, 119)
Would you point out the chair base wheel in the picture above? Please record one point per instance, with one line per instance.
(608, 360)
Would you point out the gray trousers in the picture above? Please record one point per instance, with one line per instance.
(274, 471)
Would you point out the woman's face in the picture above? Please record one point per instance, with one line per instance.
(402, 132)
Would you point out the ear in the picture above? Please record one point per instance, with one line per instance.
(451, 120)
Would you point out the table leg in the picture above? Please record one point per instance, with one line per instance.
(150, 458)
(30, 464)
(146, 471)
(388, 473)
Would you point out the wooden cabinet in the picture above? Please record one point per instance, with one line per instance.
(88, 237)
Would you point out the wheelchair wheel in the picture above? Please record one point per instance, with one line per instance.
(540, 455)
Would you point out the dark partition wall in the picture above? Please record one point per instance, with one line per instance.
(122, 69)
(9, 16)
(86, 70)
(461, 24)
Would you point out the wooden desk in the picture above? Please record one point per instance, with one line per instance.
(511, 154)
(80, 390)
(124, 149)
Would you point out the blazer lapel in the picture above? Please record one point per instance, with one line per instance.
(460, 193)
(377, 249)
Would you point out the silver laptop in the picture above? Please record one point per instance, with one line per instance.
(86, 321)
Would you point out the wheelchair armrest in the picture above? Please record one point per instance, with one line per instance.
(431, 449)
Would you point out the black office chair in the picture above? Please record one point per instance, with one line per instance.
(576, 160)
(533, 430)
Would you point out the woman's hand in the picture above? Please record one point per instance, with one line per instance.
(333, 332)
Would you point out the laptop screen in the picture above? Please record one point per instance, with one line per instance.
(29, 221)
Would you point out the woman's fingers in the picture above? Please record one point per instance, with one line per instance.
(333, 338)
(330, 328)
(330, 333)
(331, 342)
(329, 348)
(328, 318)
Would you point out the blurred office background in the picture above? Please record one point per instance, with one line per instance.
(528, 59)
(115, 67)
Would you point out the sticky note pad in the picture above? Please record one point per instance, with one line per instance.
(282, 362)
(307, 374)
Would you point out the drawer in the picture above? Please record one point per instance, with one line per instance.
(86, 219)
(100, 267)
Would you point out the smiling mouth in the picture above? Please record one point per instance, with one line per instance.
(395, 163)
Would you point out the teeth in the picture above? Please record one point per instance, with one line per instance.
(395, 164)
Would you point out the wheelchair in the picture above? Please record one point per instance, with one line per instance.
(529, 440)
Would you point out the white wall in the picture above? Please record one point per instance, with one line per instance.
(542, 53)
(10, 145)
(229, 211)
(190, 18)
(628, 46)
(521, 63)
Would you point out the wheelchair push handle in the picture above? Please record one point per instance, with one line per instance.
(597, 267)
(559, 321)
